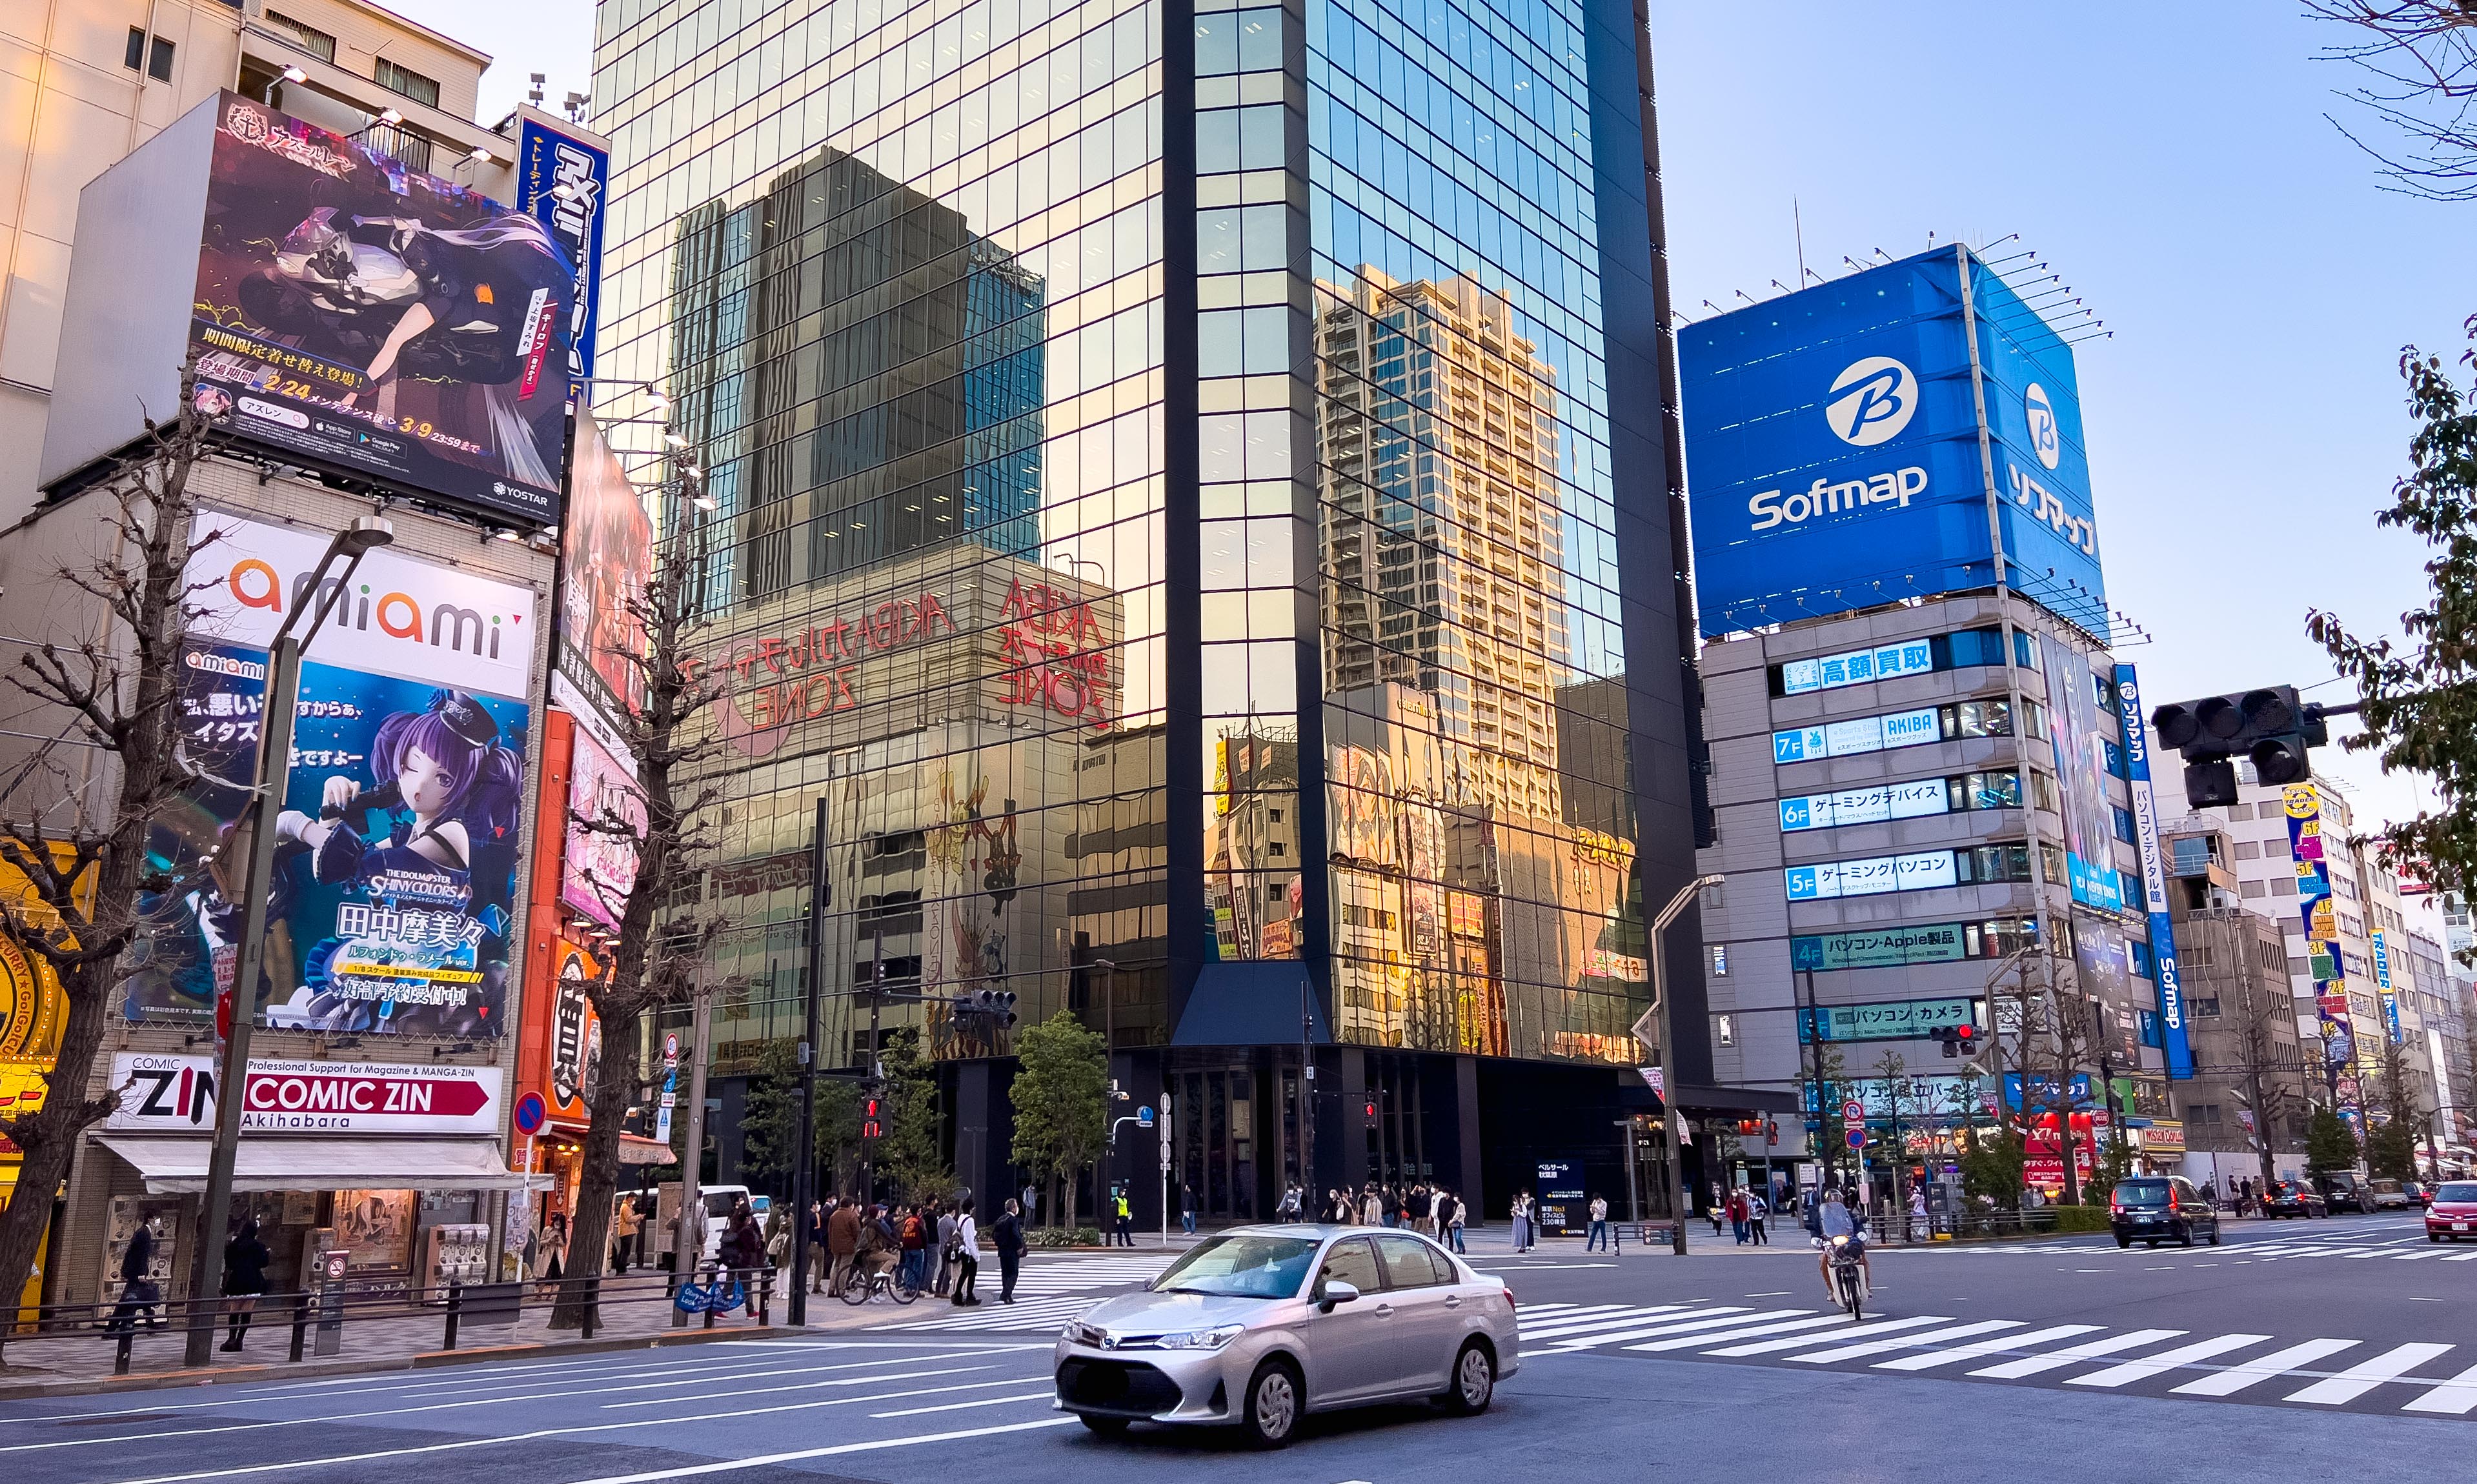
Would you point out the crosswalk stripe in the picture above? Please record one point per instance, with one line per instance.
(1872, 1327)
(2166, 1360)
(1978, 1348)
(1731, 1336)
(1608, 1314)
(1904, 1342)
(2057, 1360)
(2462, 1257)
(2360, 1378)
(2454, 1397)
(1735, 1316)
(2414, 1256)
(2235, 1378)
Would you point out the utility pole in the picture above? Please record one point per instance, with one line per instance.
(875, 1085)
(1662, 1013)
(685, 1250)
(1829, 1157)
(804, 1176)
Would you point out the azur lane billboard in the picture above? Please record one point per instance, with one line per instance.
(362, 314)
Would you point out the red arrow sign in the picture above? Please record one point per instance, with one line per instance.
(316, 1092)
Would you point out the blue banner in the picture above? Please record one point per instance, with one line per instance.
(2173, 1041)
(560, 181)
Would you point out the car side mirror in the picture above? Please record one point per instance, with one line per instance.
(1336, 1290)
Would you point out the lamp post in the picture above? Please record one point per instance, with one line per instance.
(803, 1173)
(254, 832)
(1662, 1008)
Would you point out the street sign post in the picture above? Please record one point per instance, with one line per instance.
(1163, 1124)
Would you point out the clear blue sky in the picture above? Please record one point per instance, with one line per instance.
(2172, 161)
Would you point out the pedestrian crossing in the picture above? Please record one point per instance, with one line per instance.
(2320, 1372)
(1077, 1274)
(1025, 1314)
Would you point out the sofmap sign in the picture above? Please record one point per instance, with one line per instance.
(1863, 735)
(2174, 1042)
(1833, 438)
(176, 1094)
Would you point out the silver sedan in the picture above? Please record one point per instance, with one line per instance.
(1258, 1326)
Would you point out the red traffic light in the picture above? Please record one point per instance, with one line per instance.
(1964, 1034)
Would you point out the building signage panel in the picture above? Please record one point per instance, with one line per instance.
(2175, 1043)
(561, 180)
(1863, 734)
(1870, 876)
(1856, 667)
(1836, 436)
(176, 1094)
(1879, 947)
(399, 325)
(1869, 805)
(1887, 1020)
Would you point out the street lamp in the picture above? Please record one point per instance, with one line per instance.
(256, 826)
(1662, 1008)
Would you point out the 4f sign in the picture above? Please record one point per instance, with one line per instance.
(1872, 401)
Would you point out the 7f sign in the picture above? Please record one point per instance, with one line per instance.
(177, 1095)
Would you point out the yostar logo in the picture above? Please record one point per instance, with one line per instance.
(2045, 439)
(1873, 399)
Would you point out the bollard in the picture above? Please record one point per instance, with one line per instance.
(300, 1325)
(592, 1302)
(765, 1293)
(120, 1352)
(454, 1311)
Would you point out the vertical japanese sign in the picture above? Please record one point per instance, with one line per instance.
(559, 180)
(2172, 1037)
(2303, 808)
(2383, 987)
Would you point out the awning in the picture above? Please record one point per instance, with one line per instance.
(1250, 1004)
(177, 1166)
(638, 1150)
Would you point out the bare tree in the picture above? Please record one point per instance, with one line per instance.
(664, 926)
(2421, 58)
(80, 844)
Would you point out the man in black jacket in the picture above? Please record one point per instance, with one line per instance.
(1008, 1234)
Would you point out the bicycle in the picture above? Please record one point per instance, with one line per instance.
(859, 1288)
(1848, 1277)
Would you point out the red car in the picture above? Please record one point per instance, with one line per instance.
(2453, 1215)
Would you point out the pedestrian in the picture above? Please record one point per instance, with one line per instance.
(625, 1223)
(1454, 1221)
(1439, 1203)
(967, 1260)
(1519, 1214)
(947, 1222)
(245, 1263)
(1008, 1234)
(1918, 1208)
(1371, 1206)
(139, 1293)
(842, 1244)
(1186, 1207)
(820, 1262)
(1598, 1235)
(550, 1258)
(1126, 1215)
(912, 1239)
(1757, 1208)
(1289, 1208)
(1737, 1215)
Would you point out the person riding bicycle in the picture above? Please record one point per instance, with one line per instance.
(1836, 1219)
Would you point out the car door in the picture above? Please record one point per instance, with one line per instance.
(1426, 1320)
(1347, 1345)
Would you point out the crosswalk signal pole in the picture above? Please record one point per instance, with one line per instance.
(1165, 1168)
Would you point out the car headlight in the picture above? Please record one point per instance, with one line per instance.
(1078, 1332)
(1202, 1339)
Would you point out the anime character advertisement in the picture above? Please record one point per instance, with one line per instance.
(355, 312)
(395, 863)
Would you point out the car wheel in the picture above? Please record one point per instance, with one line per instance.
(2152, 1244)
(2434, 1237)
(1106, 1427)
(2215, 1233)
(2122, 1243)
(1474, 1380)
(2188, 1237)
(1270, 1413)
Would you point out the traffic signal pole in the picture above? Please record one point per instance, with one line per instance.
(803, 1173)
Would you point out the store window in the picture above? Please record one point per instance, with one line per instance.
(403, 80)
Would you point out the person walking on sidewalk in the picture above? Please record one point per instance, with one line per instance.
(949, 1222)
(139, 1293)
(966, 1262)
(1598, 1236)
(1457, 1214)
(1186, 1207)
(842, 1240)
(1520, 1213)
(1738, 1214)
(624, 1223)
(1757, 1208)
(245, 1263)
(1008, 1234)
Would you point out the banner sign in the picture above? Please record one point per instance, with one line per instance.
(2081, 773)
(2303, 805)
(2174, 1041)
(1888, 1020)
(2383, 985)
(1870, 876)
(600, 868)
(561, 180)
(1880, 947)
(1861, 734)
(175, 1093)
(1869, 805)
(1831, 671)
(395, 324)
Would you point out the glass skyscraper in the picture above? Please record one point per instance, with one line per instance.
(1193, 490)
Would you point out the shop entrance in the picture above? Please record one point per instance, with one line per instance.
(1214, 1121)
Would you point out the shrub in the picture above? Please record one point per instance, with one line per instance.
(1064, 1236)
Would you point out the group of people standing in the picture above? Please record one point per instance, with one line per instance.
(1747, 1210)
(929, 1246)
(1431, 1210)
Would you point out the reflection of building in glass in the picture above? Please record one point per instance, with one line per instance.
(1252, 848)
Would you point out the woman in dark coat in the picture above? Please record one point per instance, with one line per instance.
(245, 1263)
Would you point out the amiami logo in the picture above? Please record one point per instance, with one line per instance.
(399, 615)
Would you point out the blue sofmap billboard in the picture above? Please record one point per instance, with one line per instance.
(560, 179)
(2174, 1041)
(1833, 453)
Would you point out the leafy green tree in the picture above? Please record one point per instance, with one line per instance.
(2390, 1150)
(1991, 1168)
(769, 1123)
(2418, 694)
(2328, 1144)
(908, 1155)
(1060, 1103)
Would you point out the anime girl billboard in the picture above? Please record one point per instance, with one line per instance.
(395, 867)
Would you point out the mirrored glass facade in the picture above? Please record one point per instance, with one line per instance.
(1160, 480)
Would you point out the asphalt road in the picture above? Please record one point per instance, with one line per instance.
(2314, 1340)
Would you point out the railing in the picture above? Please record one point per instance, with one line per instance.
(458, 1306)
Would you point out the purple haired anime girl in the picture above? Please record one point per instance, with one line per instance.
(442, 766)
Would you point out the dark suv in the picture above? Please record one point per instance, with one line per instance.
(2345, 1190)
(2151, 1207)
(2293, 1198)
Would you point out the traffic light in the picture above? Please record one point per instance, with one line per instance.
(869, 1125)
(1954, 1039)
(2269, 728)
(1371, 1113)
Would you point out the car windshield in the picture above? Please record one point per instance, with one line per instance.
(2456, 1190)
(2383, 1185)
(2141, 1193)
(1241, 1267)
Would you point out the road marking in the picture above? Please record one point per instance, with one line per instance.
(2358, 1379)
(2235, 1378)
(1904, 1342)
(2057, 1360)
(1591, 1340)
(960, 1406)
(1777, 1293)
(1607, 1314)
(2454, 1397)
(768, 1390)
(1978, 1348)
(1730, 1336)
(1872, 1327)
(2166, 1360)
(2462, 1257)
(763, 1460)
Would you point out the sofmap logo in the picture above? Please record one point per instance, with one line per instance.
(2045, 438)
(1873, 399)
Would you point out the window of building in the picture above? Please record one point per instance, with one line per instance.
(2124, 826)
(2282, 886)
(413, 85)
(1719, 961)
(135, 57)
(316, 43)
(2189, 856)
(2205, 1007)
(2043, 791)
(1724, 1029)
(2248, 850)
(159, 59)
(2256, 888)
